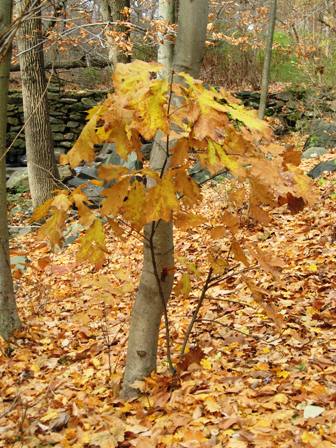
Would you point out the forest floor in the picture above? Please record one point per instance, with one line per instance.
(244, 382)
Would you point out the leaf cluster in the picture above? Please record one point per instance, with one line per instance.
(189, 123)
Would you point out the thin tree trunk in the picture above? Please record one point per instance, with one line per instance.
(112, 11)
(41, 162)
(166, 47)
(267, 61)
(9, 319)
(157, 275)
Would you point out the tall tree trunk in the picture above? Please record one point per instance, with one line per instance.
(157, 275)
(112, 11)
(267, 60)
(41, 162)
(167, 9)
(9, 319)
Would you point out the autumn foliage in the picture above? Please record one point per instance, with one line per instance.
(195, 123)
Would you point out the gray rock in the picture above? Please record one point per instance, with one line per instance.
(68, 100)
(19, 262)
(69, 136)
(89, 102)
(54, 120)
(314, 151)
(87, 172)
(328, 166)
(13, 121)
(66, 145)
(132, 163)
(18, 180)
(77, 117)
(93, 192)
(65, 172)
(73, 124)
(146, 150)
(58, 137)
(76, 182)
(57, 127)
(77, 107)
(323, 134)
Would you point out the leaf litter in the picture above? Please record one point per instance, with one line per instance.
(244, 380)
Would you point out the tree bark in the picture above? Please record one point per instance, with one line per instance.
(112, 11)
(167, 10)
(267, 60)
(41, 162)
(157, 275)
(9, 319)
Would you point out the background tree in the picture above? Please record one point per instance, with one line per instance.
(167, 12)
(117, 35)
(9, 319)
(41, 162)
(267, 60)
(154, 290)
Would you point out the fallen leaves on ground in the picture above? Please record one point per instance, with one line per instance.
(243, 382)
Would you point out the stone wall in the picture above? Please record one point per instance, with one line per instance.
(67, 117)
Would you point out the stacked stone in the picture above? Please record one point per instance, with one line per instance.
(68, 111)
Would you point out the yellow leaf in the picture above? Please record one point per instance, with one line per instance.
(219, 159)
(131, 77)
(211, 405)
(180, 152)
(239, 253)
(186, 221)
(206, 363)
(92, 245)
(249, 118)
(53, 228)
(218, 264)
(83, 149)
(218, 232)
(161, 200)
(150, 107)
(112, 172)
(313, 268)
(187, 187)
(62, 202)
(303, 185)
(51, 414)
(86, 216)
(311, 438)
(282, 373)
(134, 206)
(183, 286)
(260, 296)
(41, 211)
(115, 197)
(236, 443)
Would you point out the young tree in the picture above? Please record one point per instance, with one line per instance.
(42, 168)
(193, 121)
(9, 319)
(154, 292)
(267, 60)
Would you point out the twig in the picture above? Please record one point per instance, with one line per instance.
(16, 400)
(107, 339)
(231, 328)
(195, 313)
